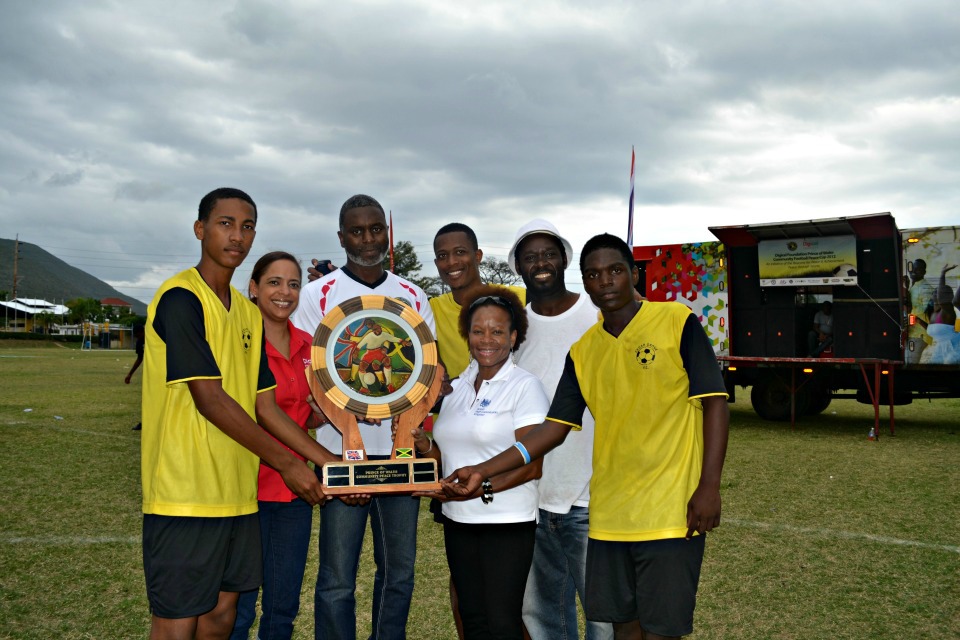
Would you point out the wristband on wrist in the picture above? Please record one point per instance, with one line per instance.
(523, 451)
(487, 496)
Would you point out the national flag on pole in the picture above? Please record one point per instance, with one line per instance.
(391, 240)
(633, 161)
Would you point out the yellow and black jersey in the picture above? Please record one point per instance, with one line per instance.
(643, 388)
(189, 466)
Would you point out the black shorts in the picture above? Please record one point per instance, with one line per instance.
(653, 582)
(436, 508)
(188, 561)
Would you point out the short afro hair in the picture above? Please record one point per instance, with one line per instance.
(606, 241)
(457, 227)
(497, 296)
(209, 201)
(357, 201)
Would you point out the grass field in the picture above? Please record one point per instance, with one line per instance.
(825, 534)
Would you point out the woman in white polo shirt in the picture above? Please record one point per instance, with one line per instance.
(489, 536)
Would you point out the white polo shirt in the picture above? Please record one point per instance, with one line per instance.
(473, 427)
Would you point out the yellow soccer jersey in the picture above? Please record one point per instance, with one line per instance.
(189, 466)
(643, 389)
(453, 348)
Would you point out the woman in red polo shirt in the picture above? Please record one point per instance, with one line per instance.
(285, 520)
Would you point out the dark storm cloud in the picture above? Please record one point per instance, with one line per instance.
(141, 191)
(491, 114)
(64, 179)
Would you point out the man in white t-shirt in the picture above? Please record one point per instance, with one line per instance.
(821, 335)
(364, 237)
(557, 318)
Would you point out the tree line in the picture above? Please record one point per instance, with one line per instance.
(407, 265)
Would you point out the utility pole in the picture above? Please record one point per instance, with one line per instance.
(16, 253)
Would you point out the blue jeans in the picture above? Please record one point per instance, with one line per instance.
(393, 520)
(557, 576)
(285, 536)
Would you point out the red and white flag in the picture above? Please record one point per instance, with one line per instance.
(633, 161)
(391, 240)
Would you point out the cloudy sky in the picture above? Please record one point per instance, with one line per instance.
(117, 117)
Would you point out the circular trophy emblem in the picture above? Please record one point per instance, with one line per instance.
(374, 356)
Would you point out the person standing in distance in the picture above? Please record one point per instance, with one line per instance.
(920, 301)
(557, 318)
(205, 384)
(138, 334)
(649, 376)
(393, 519)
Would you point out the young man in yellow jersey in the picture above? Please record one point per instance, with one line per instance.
(457, 257)
(649, 377)
(205, 384)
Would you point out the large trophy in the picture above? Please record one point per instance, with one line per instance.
(374, 357)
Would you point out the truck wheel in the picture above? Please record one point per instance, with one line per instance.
(820, 398)
(770, 398)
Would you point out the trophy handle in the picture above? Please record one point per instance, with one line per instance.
(412, 417)
(344, 421)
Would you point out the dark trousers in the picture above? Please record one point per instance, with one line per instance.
(489, 564)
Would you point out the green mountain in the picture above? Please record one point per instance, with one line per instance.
(45, 276)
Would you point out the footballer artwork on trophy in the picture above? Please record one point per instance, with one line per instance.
(374, 357)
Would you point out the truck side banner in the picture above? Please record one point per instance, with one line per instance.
(795, 262)
(694, 274)
(931, 283)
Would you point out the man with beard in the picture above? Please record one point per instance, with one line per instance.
(557, 318)
(364, 236)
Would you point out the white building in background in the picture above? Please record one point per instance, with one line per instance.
(20, 313)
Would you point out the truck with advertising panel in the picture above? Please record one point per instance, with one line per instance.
(894, 300)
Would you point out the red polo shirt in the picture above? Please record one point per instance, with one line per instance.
(291, 391)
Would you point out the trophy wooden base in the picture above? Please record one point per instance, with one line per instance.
(402, 473)
(380, 476)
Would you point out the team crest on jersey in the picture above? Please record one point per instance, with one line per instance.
(247, 338)
(646, 354)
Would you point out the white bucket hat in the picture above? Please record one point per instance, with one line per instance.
(533, 227)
